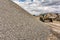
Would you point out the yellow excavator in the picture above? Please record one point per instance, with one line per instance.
(48, 16)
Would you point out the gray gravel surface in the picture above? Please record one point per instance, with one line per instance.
(17, 24)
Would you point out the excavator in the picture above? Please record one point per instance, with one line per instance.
(49, 16)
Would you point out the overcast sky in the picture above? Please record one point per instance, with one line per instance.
(38, 0)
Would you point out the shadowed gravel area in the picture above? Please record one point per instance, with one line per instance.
(17, 24)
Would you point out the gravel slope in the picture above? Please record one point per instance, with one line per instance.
(17, 24)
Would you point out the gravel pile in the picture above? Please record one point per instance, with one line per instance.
(17, 24)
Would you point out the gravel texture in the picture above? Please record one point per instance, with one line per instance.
(17, 24)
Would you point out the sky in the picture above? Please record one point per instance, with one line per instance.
(21, 0)
(25, 0)
(54, 6)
